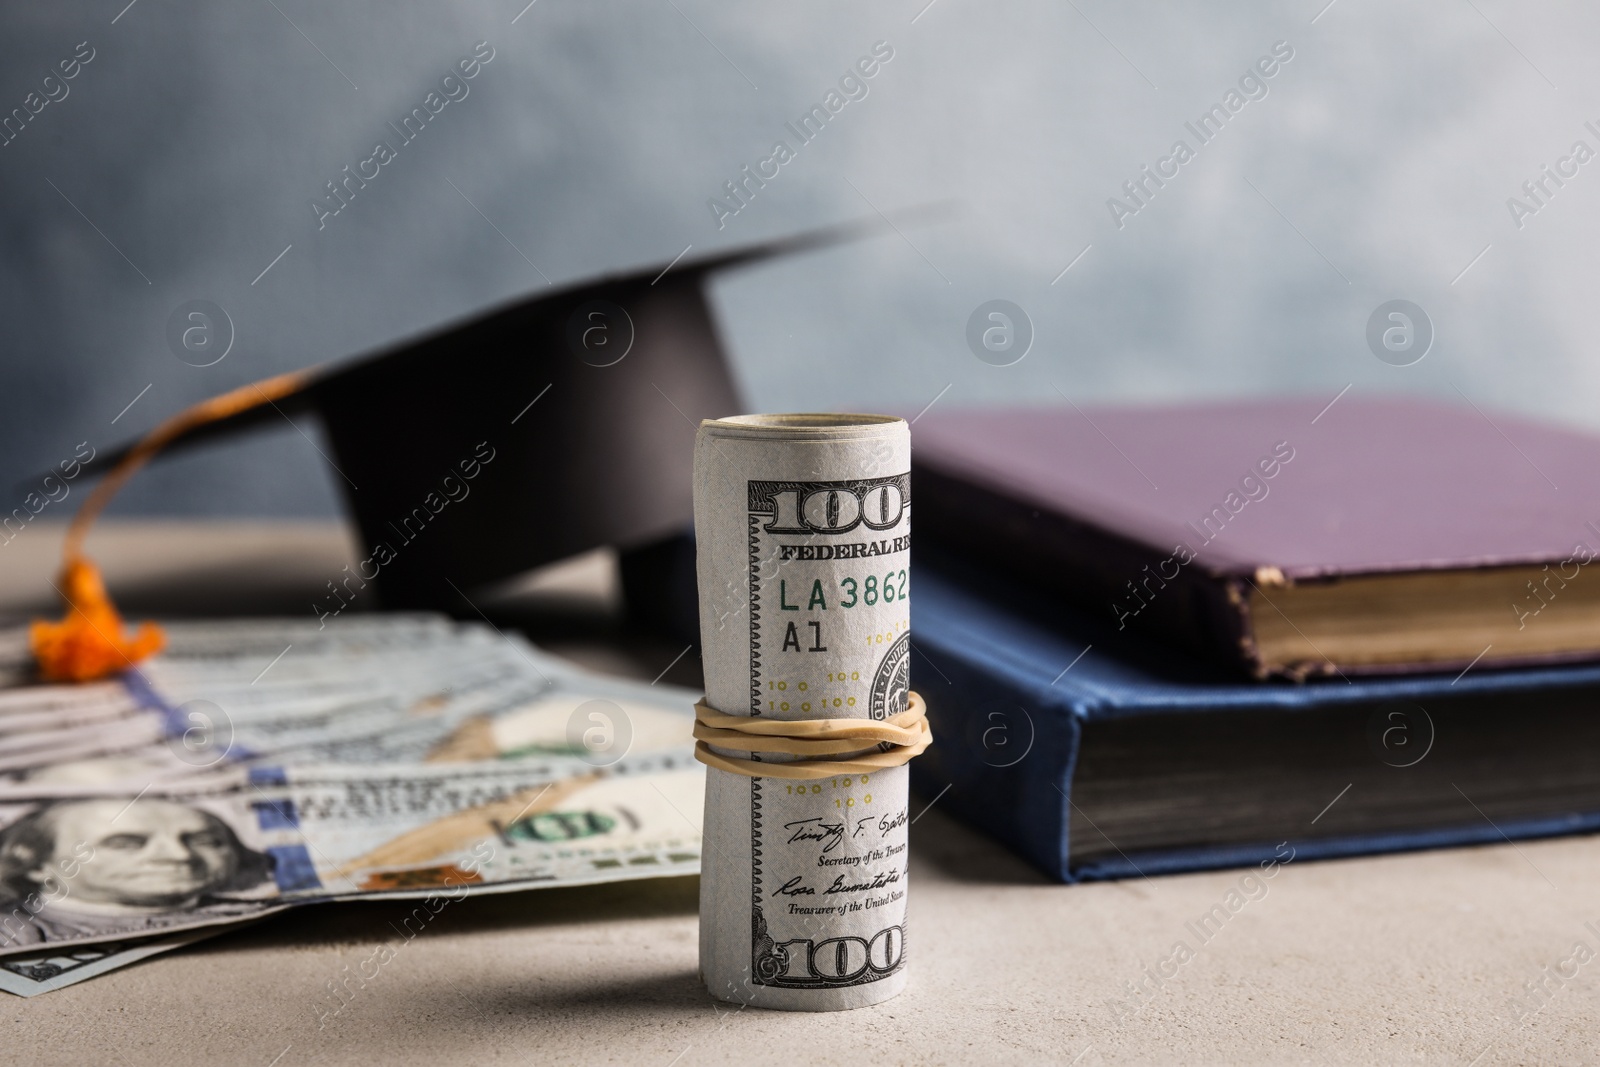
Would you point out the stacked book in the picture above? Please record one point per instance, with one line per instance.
(1171, 639)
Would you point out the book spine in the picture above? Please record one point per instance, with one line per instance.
(1135, 586)
(1004, 757)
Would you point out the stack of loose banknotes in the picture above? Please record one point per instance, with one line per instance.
(260, 765)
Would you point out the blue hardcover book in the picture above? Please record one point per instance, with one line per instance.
(1098, 756)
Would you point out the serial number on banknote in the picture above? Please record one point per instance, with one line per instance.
(850, 592)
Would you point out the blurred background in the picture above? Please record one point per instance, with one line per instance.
(182, 161)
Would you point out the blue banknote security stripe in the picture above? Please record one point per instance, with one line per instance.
(268, 776)
(173, 721)
(138, 686)
(292, 868)
(277, 814)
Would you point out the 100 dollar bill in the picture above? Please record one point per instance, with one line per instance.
(84, 870)
(803, 524)
(262, 764)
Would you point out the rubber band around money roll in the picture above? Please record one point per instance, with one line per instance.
(908, 733)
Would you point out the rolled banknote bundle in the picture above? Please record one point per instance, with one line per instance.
(803, 525)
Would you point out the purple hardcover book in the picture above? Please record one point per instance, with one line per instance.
(1289, 536)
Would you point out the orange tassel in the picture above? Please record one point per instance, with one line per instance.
(89, 643)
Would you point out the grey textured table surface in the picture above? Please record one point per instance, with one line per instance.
(1435, 957)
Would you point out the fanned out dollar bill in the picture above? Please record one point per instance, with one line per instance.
(54, 967)
(263, 764)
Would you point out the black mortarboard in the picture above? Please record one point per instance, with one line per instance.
(526, 434)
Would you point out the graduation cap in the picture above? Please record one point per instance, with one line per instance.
(521, 436)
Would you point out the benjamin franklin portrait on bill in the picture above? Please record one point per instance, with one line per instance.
(79, 869)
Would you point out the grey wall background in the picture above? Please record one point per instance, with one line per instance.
(186, 153)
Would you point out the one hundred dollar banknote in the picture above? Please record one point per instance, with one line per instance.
(259, 765)
(804, 530)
